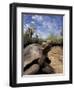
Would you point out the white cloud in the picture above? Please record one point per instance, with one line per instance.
(26, 27)
(32, 22)
(37, 17)
(47, 26)
(42, 34)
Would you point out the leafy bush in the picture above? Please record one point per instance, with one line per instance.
(55, 39)
(28, 39)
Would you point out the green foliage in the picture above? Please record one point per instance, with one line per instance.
(28, 39)
(55, 39)
(28, 36)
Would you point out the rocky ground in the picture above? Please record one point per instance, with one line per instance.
(56, 57)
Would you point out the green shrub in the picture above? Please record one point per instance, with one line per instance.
(55, 39)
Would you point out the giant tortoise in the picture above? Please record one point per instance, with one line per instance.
(35, 60)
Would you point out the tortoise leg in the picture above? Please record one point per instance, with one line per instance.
(32, 70)
(47, 68)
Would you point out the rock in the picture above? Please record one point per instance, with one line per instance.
(56, 57)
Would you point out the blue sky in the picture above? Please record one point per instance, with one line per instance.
(44, 25)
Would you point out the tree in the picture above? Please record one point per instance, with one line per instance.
(28, 36)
